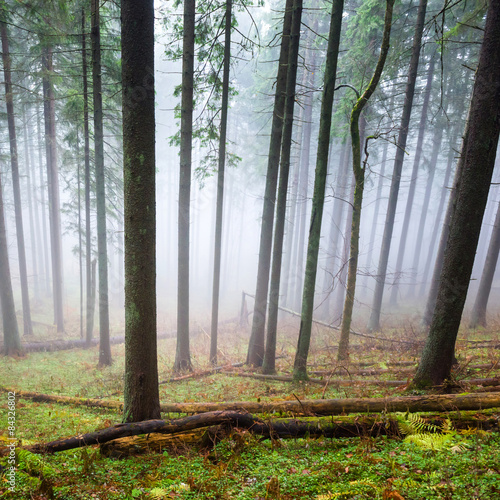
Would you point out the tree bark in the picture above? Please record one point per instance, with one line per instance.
(300, 363)
(182, 355)
(269, 362)
(102, 252)
(374, 322)
(255, 354)
(18, 210)
(220, 184)
(479, 151)
(141, 395)
(359, 178)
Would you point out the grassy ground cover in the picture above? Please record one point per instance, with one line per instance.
(463, 465)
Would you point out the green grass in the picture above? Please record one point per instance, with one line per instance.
(240, 467)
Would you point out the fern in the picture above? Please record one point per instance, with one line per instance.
(34, 465)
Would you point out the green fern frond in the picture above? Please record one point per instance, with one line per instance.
(34, 465)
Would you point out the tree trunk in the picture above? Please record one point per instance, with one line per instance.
(478, 315)
(141, 395)
(255, 354)
(300, 363)
(220, 185)
(374, 322)
(479, 151)
(40, 253)
(95, 35)
(11, 339)
(334, 230)
(23, 273)
(269, 363)
(413, 181)
(42, 202)
(371, 244)
(359, 178)
(182, 355)
(31, 200)
(53, 187)
(442, 199)
(436, 146)
(89, 316)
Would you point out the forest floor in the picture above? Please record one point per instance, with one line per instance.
(464, 465)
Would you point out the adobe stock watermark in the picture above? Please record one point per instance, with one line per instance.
(11, 432)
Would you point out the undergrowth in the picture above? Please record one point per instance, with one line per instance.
(428, 462)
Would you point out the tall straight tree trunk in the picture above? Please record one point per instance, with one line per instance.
(304, 341)
(442, 200)
(334, 230)
(269, 363)
(480, 148)
(376, 211)
(338, 306)
(478, 314)
(36, 203)
(90, 303)
(255, 354)
(23, 273)
(220, 184)
(359, 178)
(443, 241)
(102, 252)
(436, 146)
(53, 187)
(414, 178)
(290, 282)
(305, 161)
(11, 338)
(46, 266)
(141, 395)
(182, 355)
(31, 201)
(80, 242)
(374, 322)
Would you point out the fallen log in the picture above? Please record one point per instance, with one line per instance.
(62, 345)
(444, 402)
(340, 426)
(382, 371)
(331, 383)
(201, 373)
(274, 429)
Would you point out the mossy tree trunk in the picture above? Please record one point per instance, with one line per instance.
(374, 321)
(18, 210)
(255, 355)
(359, 179)
(478, 160)
(141, 397)
(300, 363)
(102, 252)
(182, 354)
